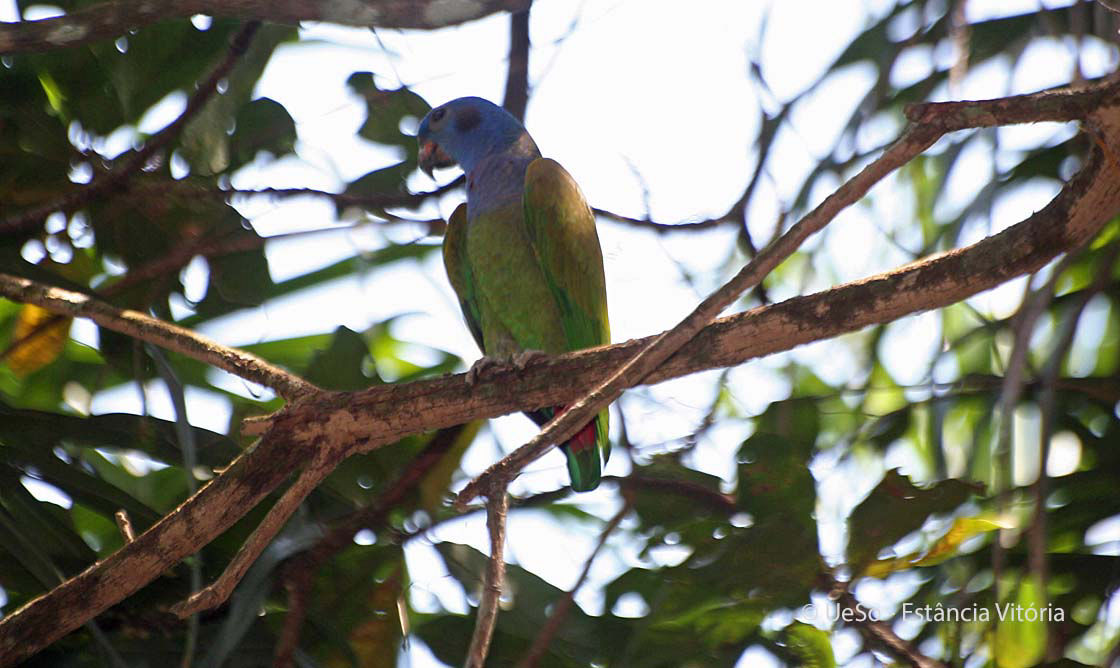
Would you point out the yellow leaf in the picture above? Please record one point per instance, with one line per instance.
(884, 567)
(963, 528)
(37, 340)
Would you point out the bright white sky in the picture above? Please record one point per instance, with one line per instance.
(621, 88)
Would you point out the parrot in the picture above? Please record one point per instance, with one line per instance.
(522, 255)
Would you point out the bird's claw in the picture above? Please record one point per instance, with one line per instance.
(480, 367)
(527, 357)
(487, 364)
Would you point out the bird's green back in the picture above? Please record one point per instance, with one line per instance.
(529, 276)
(561, 229)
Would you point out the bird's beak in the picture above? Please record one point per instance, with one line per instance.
(432, 156)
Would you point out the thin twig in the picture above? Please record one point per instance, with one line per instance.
(405, 200)
(1015, 370)
(561, 608)
(160, 333)
(1038, 555)
(184, 435)
(125, 525)
(497, 507)
(300, 572)
(684, 226)
(1033, 306)
(216, 593)
(880, 633)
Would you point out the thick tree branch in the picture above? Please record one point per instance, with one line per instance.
(1059, 105)
(376, 415)
(934, 120)
(112, 19)
(163, 334)
(357, 422)
(913, 142)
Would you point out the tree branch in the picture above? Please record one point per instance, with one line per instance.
(1076, 214)
(914, 141)
(934, 120)
(217, 592)
(407, 200)
(163, 334)
(108, 20)
(300, 571)
(516, 97)
(661, 228)
(880, 634)
(497, 507)
(362, 421)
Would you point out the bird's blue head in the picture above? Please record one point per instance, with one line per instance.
(468, 129)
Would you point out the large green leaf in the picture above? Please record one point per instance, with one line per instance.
(895, 508)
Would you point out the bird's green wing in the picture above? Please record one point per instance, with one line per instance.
(561, 228)
(459, 270)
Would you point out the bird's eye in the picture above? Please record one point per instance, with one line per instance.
(438, 115)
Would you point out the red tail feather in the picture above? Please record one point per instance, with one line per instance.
(585, 438)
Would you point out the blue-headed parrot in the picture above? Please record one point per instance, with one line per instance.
(522, 253)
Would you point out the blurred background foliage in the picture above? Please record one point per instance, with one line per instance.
(1005, 492)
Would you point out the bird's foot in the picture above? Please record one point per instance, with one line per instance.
(488, 364)
(527, 357)
(484, 365)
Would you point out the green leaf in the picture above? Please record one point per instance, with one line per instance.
(114, 431)
(262, 125)
(579, 639)
(811, 646)
(238, 279)
(774, 480)
(696, 499)
(205, 141)
(894, 509)
(385, 111)
(1022, 629)
(49, 523)
(435, 486)
(339, 366)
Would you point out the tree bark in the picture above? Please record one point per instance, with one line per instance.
(109, 20)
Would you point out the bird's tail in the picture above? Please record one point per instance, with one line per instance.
(586, 452)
